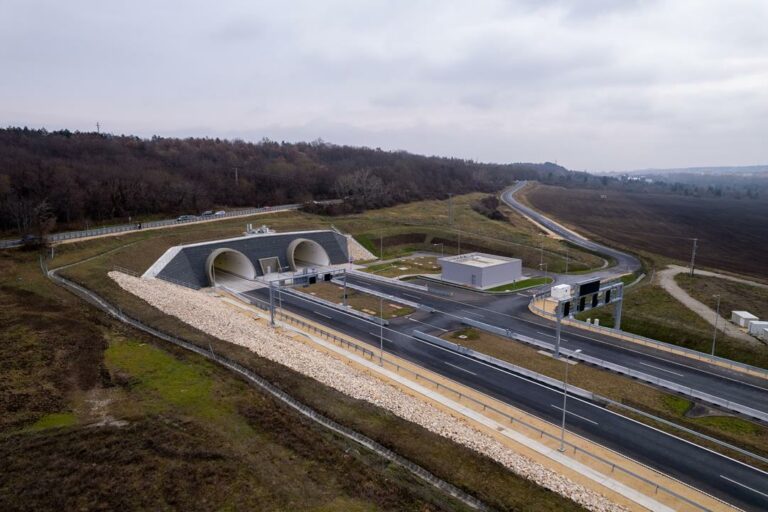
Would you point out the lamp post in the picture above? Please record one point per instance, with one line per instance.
(565, 399)
(442, 248)
(717, 317)
(381, 331)
(544, 266)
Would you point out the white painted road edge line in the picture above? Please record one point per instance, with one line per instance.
(459, 368)
(744, 486)
(574, 414)
(325, 316)
(551, 453)
(661, 369)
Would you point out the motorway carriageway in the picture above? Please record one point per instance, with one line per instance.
(720, 476)
(511, 312)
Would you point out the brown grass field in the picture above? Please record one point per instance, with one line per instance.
(732, 233)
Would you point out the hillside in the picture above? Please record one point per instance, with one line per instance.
(76, 178)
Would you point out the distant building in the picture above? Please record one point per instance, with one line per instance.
(481, 270)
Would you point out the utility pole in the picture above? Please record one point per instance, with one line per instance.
(565, 400)
(567, 257)
(381, 331)
(272, 303)
(345, 288)
(541, 251)
(458, 251)
(450, 209)
(717, 317)
(693, 254)
(381, 245)
(559, 316)
(237, 176)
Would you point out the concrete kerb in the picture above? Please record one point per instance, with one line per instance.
(540, 310)
(577, 467)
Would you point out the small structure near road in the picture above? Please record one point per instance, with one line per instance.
(481, 270)
(742, 318)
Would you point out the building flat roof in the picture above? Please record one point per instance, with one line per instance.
(479, 259)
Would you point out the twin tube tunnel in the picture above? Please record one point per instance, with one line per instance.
(302, 253)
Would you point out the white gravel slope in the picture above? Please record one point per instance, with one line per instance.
(212, 316)
(356, 250)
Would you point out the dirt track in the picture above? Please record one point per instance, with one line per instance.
(667, 281)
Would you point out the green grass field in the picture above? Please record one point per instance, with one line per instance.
(522, 285)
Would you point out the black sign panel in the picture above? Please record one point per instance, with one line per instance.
(594, 301)
(607, 296)
(582, 302)
(566, 309)
(589, 288)
(327, 277)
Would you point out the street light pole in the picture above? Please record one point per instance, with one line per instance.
(717, 317)
(381, 331)
(565, 400)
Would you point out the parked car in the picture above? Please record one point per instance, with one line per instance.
(207, 213)
(185, 218)
(220, 213)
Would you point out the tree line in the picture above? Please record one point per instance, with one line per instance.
(69, 179)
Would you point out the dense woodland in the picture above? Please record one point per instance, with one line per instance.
(67, 179)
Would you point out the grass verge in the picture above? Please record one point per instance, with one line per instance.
(736, 431)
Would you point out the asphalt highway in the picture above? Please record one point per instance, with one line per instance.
(625, 262)
(718, 475)
(511, 312)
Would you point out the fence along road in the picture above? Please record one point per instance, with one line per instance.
(126, 228)
(704, 469)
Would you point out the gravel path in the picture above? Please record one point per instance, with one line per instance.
(667, 281)
(212, 316)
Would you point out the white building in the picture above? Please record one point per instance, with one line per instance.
(481, 270)
(742, 318)
(756, 328)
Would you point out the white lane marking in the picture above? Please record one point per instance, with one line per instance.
(661, 369)
(411, 296)
(326, 316)
(545, 334)
(377, 334)
(574, 414)
(744, 486)
(425, 323)
(459, 368)
(599, 408)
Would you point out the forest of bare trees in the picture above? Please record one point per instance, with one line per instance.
(75, 178)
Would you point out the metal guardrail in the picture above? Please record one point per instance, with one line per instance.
(667, 347)
(388, 280)
(272, 390)
(384, 296)
(512, 419)
(657, 381)
(124, 228)
(486, 407)
(333, 305)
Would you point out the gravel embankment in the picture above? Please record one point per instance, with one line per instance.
(211, 315)
(357, 252)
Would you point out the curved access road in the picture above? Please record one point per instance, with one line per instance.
(625, 262)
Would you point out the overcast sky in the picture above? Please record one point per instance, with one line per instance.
(593, 84)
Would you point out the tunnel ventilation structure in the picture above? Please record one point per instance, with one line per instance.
(304, 253)
(229, 261)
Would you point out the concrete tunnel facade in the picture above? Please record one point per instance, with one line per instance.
(195, 265)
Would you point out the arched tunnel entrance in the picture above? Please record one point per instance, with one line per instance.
(223, 263)
(303, 253)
